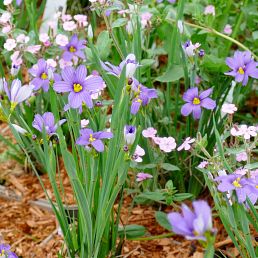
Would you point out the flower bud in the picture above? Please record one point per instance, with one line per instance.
(129, 134)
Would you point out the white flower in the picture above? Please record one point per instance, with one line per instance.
(84, 123)
(131, 65)
(43, 37)
(62, 40)
(51, 63)
(19, 129)
(139, 152)
(186, 144)
(228, 108)
(6, 29)
(5, 17)
(10, 44)
(243, 130)
(33, 49)
(69, 26)
(90, 32)
(203, 164)
(190, 48)
(180, 26)
(149, 132)
(129, 134)
(167, 144)
(7, 2)
(22, 38)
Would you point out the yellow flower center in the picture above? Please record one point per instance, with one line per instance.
(196, 101)
(91, 139)
(3, 252)
(256, 186)
(77, 87)
(139, 100)
(72, 49)
(236, 183)
(241, 70)
(43, 76)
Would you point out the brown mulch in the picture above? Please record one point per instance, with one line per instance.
(32, 231)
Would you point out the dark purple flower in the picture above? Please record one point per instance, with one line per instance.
(201, 53)
(5, 251)
(46, 121)
(243, 66)
(243, 187)
(142, 96)
(79, 86)
(192, 224)
(195, 102)
(74, 48)
(90, 139)
(43, 75)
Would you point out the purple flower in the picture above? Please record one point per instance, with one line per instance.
(243, 187)
(47, 122)
(192, 224)
(74, 48)
(142, 96)
(243, 66)
(195, 102)
(43, 75)
(5, 251)
(18, 2)
(129, 134)
(79, 86)
(90, 139)
(143, 176)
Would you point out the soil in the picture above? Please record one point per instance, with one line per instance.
(33, 231)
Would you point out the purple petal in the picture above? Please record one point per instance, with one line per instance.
(67, 56)
(208, 103)
(187, 109)
(197, 112)
(80, 54)
(83, 140)
(45, 85)
(81, 73)
(94, 83)
(37, 82)
(104, 135)
(49, 119)
(98, 145)
(205, 94)
(201, 208)
(231, 63)
(75, 99)
(38, 122)
(62, 86)
(178, 224)
(87, 99)
(190, 94)
(68, 74)
(135, 107)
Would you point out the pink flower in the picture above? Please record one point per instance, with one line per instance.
(7, 2)
(66, 17)
(22, 38)
(157, 140)
(186, 144)
(64, 63)
(254, 173)
(145, 17)
(149, 132)
(241, 171)
(6, 29)
(5, 17)
(209, 9)
(242, 156)
(243, 130)
(69, 26)
(43, 37)
(139, 152)
(16, 58)
(143, 176)
(197, 80)
(81, 19)
(228, 108)
(62, 40)
(51, 63)
(84, 123)
(10, 44)
(167, 144)
(228, 29)
(33, 49)
(203, 164)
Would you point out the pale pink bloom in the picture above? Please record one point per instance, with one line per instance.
(123, 11)
(186, 144)
(145, 17)
(33, 49)
(61, 40)
(149, 132)
(203, 164)
(16, 58)
(167, 144)
(243, 130)
(10, 44)
(7, 2)
(66, 17)
(254, 173)
(64, 63)
(139, 152)
(242, 156)
(228, 108)
(197, 80)
(22, 38)
(143, 176)
(209, 9)
(228, 29)
(69, 26)
(190, 48)
(5, 17)
(43, 37)
(6, 29)
(81, 19)
(157, 140)
(84, 123)
(51, 63)
(51, 24)
(241, 171)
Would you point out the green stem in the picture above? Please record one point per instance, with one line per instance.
(213, 31)
(152, 237)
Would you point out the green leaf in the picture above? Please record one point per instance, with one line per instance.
(252, 166)
(132, 231)
(103, 44)
(147, 62)
(154, 196)
(119, 22)
(173, 74)
(161, 218)
(182, 196)
(169, 167)
(30, 57)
